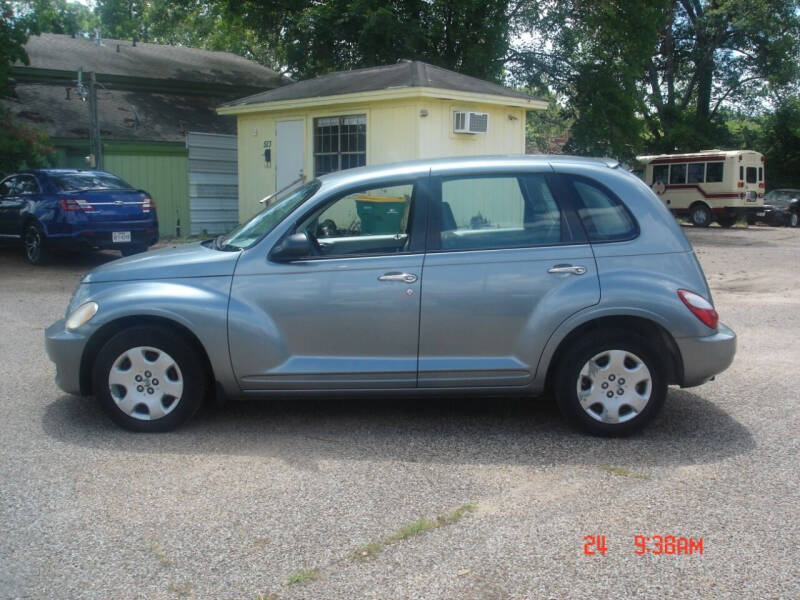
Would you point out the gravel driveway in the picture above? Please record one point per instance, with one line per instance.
(395, 499)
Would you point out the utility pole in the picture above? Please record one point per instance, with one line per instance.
(90, 93)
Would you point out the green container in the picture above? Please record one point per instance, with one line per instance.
(380, 214)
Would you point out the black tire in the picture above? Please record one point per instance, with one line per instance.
(568, 376)
(35, 245)
(700, 215)
(190, 372)
(727, 222)
(132, 249)
(794, 219)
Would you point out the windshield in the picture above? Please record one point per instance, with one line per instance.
(261, 224)
(68, 182)
(781, 197)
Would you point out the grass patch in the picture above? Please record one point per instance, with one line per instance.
(303, 576)
(159, 553)
(411, 530)
(622, 472)
(266, 596)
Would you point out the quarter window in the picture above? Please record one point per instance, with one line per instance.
(714, 172)
(696, 173)
(604, 216)
(499, 212)
(339, 143)
(677, 174)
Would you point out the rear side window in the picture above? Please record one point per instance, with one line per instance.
(696, 173)
(499, 212)
(7, 186)
(714, 172)
(70, 182)
(677, 174)
(604, 215)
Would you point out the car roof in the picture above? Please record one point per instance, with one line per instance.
(420, 166)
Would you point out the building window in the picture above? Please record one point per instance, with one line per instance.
(339, 143)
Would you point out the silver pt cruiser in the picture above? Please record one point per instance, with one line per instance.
(479, 275)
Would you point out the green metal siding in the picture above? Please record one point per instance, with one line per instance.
(162, 169)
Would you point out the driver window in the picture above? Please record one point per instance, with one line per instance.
(366, 221)
(7, 187)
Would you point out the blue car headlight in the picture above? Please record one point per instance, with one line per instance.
(81, 315)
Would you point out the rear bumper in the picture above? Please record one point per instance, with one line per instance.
(705, 357)
(142, 234)
(65, 349)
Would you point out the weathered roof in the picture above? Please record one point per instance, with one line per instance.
(152, 61)
(124, 115)
(403, 74)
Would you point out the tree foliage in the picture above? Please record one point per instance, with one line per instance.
(18, 145)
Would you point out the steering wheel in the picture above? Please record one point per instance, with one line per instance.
(327, 228)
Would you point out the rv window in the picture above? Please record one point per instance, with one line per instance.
(660, 173)
(752, 175)
(741, 173)
(714, 172)
(761, 173)
(677, 174)
(697, 173)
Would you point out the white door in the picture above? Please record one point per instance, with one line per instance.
(288, 152)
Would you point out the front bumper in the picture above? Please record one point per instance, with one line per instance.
(65, 349)
(705, 357)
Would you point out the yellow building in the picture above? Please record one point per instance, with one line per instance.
(370, 116)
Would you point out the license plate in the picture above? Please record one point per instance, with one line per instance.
(120, 237)
(760, 214)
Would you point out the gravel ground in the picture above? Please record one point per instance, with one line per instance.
(242, 501)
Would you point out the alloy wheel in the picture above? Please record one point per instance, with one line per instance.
(33, 244)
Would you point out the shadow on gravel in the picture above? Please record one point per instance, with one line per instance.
(690, 430)
(13, 257)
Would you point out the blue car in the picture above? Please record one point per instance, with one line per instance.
(51, 209)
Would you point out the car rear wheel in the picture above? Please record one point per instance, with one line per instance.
(35, 249)
(610, 384)
(149, 379)
(794, 219)
(700, 215)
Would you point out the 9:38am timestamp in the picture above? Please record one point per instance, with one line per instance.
(654, 544)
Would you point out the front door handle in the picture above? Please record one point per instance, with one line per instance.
(401, 277)
(574, 269)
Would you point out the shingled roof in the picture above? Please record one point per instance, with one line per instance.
(403, 74)
(151, 61)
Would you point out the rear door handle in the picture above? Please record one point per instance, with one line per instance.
(401, 277)
(574, 269)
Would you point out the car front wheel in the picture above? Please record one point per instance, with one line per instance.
(700, 215)
(794, 219)
(149, 379)
(610, 384)
(34, 241)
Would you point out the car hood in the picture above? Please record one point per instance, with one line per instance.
(186, 260)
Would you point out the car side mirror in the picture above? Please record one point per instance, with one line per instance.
(294, 247)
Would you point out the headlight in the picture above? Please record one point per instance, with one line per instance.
(81, 315)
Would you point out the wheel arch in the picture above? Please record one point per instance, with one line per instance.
(107, 331)
(641, 326)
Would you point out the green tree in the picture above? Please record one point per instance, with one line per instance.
(18, 145)
(61, 16)
(123, 19)
(657, 74)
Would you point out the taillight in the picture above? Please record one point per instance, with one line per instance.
(148, 204)
(702, 308)
(76, 204)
